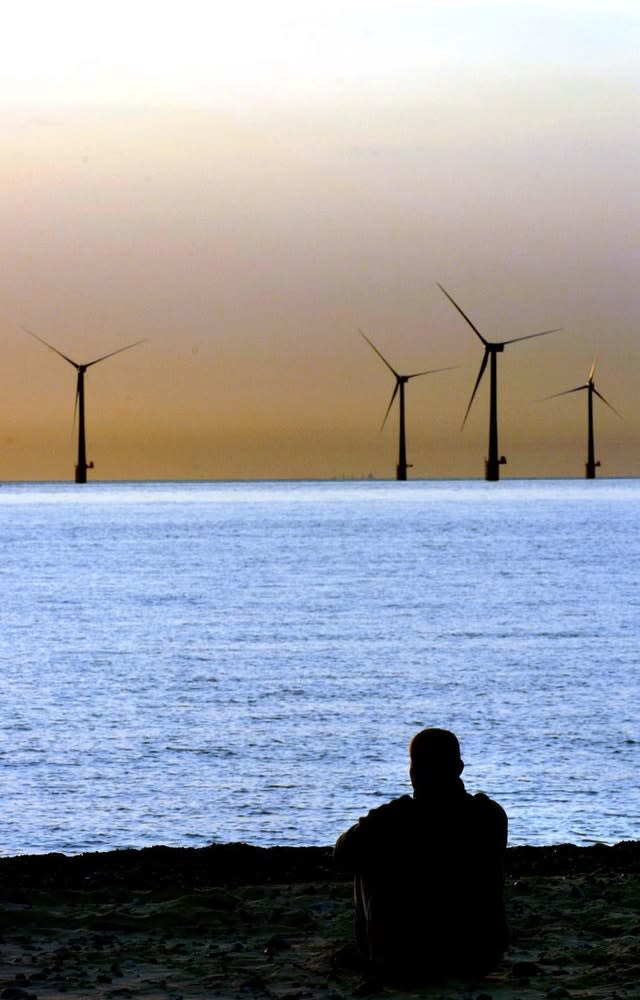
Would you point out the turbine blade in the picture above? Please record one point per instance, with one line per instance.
(393, 396)
(51, 347)
(592, 371)
(606, 402)
(75, 403)
(475, 388)
(432, 371)
(566, 392)
(530, 336)
(463, 314)
(112, 353)
(381, 356)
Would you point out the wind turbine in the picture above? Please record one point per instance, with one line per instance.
(401, 381)
(82, 466)
(491, 350)
(591, 464)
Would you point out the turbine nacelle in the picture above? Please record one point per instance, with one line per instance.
(81, 368)
(590, 386)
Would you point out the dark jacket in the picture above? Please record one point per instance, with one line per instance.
(429, 882)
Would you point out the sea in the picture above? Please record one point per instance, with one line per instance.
(202, 662)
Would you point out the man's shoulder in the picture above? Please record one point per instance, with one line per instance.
(389, 813)
(377, 824)
(383, 817)
(484, 804)
(490, 817)
(400, 806)
(380, 829)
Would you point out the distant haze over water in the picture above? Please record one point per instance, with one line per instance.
(185, 663)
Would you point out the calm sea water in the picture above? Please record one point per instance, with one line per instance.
(192, 663)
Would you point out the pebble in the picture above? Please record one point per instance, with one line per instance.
(522, 970)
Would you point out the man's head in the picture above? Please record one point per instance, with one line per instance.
(435, 758)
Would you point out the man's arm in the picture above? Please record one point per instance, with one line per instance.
(356, 848)
(350, 847)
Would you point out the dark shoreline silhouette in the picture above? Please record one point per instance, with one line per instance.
(243, 864)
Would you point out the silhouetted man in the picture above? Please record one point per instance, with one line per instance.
(429, 872)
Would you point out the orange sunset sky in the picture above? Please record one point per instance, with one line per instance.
(247, 185)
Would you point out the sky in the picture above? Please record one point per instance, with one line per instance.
(246, 187)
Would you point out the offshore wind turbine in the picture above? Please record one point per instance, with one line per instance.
(591, 464)
(82, 465)
(401, 381)
(491, 350)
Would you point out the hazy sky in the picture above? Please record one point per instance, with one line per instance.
(247, 185)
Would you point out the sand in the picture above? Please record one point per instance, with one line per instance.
(237, 921)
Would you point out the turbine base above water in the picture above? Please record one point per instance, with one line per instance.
(81, 472)
(492, 469)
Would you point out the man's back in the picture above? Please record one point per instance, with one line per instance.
(429, 875)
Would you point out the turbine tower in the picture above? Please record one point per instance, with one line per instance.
(82, 465)
(401, 381)
(591, 464)
(491, 350)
